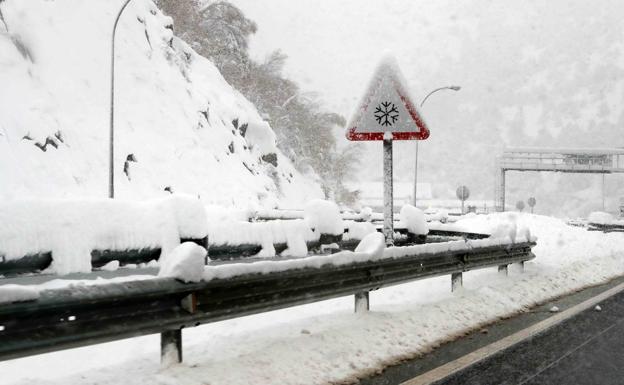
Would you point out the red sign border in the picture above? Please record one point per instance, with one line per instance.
(420, 123)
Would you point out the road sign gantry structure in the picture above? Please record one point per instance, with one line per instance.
(569, 160)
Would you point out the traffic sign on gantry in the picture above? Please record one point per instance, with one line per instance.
(387, 108)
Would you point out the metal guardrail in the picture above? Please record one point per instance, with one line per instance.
(35, 263)
(606, 228)
(85, 315)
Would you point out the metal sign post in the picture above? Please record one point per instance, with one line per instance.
(388, 228)
(462, 193)
(532, 202)
(387, 113)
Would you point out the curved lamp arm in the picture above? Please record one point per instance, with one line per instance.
(454, 88)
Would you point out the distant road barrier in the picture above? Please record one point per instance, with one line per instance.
(85, 315)
(606, 228)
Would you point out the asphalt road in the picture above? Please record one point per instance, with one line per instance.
(585, 349)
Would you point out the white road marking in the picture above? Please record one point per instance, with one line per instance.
(478, 355)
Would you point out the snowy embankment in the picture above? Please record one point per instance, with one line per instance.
(178, 125)
(326, 342)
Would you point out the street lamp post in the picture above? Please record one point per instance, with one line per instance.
(111, 153)
(453, 88)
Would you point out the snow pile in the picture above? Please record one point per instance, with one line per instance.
(358, 230)
(602, 218)
(17, 293)
(373, 244)
(71, 229)
(320, 217)
(189, 215)
(110, 266)
(429, 248)
(437, 214)
(508, 228)
(262, 137)
(559, 245)
(366, 214)
(294, 233)
(369, 249)
(413, 219)
(185, 262)
(323, 217)
(178, 125)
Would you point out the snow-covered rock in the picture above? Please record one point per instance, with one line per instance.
(185, 262)
(178, 124)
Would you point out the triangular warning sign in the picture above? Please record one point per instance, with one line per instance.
(387, 108)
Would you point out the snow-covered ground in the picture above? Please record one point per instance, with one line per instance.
(326, 342)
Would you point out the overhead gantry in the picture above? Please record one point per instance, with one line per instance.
(570, 160)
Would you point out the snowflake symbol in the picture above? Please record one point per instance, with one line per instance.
(386, 114)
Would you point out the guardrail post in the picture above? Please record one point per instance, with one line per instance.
(502, 269)
(170, 347)
(362, 303)
(457, 281)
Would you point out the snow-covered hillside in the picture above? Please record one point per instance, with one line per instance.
(178, 124)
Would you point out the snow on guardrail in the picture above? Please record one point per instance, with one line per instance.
(71, 229)
(602, 218)
(67, 236)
